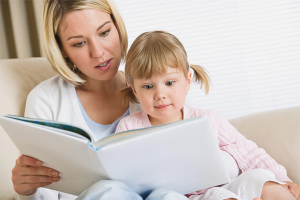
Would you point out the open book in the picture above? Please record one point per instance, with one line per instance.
(182, 156)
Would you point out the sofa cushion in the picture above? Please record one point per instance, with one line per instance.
(278, 132)
(17, 78)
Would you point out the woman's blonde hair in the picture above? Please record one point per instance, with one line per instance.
(153, 52)
(54, 11)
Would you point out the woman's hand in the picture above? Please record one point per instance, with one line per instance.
(29, 174)
(294, 189)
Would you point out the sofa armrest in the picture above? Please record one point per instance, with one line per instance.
(278, 132)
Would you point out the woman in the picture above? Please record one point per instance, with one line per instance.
(85, 42)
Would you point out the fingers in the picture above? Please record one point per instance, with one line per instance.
(29, 174)
(24, 161)
(37, 171)
(27, 185)
(294, 189)
(34, 179)
(286, 187)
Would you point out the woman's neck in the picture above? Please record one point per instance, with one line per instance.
(107, 86)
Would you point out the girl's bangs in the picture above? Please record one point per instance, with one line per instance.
(155, 59)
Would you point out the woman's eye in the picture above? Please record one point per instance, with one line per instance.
(148, 86)
(169, 83)
(105, 33)
(79, 44)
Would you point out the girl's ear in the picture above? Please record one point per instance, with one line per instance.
(188, 81)
(134, 91)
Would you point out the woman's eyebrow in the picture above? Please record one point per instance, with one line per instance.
(103, 25)
(79, 36)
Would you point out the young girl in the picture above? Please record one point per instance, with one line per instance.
(159, 77)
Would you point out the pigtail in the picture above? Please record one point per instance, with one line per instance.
(200, 76)
(127, 96)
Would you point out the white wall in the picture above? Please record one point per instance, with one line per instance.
(250, 48)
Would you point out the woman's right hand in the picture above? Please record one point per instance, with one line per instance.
(29, 174)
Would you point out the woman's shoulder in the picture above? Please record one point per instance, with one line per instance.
(53, 83)
(48, 98)
(52, 86)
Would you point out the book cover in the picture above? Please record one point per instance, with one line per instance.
(165, 156)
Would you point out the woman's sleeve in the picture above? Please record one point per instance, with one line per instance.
(46, 194)
(245, 152)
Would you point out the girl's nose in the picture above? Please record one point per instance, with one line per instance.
(159, 95)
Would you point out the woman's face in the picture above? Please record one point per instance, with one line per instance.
(91, 41)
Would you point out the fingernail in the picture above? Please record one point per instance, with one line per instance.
(54, 173)
(38, 162)
(55, 179)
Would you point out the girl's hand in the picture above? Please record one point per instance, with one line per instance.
(29, 174)
(294, 189)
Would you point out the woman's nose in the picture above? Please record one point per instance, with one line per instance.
(97, 51)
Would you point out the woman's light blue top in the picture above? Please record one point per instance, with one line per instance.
(100, 131)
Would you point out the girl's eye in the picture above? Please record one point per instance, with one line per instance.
(79, 44)
(169, 83)
(148, 86)
(105, 33)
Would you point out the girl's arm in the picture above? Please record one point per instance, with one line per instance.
(245, 152)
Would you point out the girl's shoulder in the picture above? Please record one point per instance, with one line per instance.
(133, 121)
(133, 118)
(194, 112)
(219, 123)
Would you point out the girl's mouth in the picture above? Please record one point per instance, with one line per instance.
(162, 106)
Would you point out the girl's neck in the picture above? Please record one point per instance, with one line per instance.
(158, 121)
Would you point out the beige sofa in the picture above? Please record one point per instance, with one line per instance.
(277, 131)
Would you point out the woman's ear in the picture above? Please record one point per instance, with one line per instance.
(188, 81)
(63, 53)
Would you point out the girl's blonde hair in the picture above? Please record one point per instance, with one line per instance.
(53, 14)
(153, 52)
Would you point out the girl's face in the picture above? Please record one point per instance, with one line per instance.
(91, 41)
(163, 96)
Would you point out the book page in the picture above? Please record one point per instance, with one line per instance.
(73, 130)
(131, 133)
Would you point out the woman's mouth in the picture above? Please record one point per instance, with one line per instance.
(104, 66)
